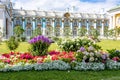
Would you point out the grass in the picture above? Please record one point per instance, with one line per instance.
(61, 75)
(24, 46)
(109, 44)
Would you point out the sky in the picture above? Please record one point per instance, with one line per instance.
(95, 6)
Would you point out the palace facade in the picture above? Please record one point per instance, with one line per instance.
(54, 23)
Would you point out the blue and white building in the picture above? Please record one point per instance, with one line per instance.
(51, 23)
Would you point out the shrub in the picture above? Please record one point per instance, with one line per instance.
(39, 45)
(75, 44)
(114, 53)
(90, 54)
(23, 39)
(12, 43)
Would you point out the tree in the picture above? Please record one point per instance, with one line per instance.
(111, 33)
(67, 31)
(37, 31)
(117, 30)
(18, 31)
(106, 32)
(82, 32)
(94, 32)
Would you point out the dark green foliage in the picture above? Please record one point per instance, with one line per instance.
(12, 43)
(97, 47)
(79, 56)
(23, 39)
(114, 53)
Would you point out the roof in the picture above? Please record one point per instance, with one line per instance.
(54, 14)
(114, 8)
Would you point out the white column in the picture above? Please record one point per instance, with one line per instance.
(23, 25)
(102, 29)
(71, 27)
(79, 24)
(62, 27)
(33, 24)
(87, 26)
(95, 26)
(113, 22)
(110, 22)
(53, 25)
(12, 26)
(43, 26)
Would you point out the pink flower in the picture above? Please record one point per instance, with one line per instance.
(7, 61)
(115, 58)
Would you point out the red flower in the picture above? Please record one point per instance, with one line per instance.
(26, 56)
(6, 55)
(54, 57)
(54, 52)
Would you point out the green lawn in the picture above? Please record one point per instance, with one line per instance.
(24, 46)
(61, 75)
(109, 44)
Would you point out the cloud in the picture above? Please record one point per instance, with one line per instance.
(62, 5)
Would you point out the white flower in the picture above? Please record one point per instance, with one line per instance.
(86, 53)
(91, 48)
(91, 54)
(91, 59)
(84, 57)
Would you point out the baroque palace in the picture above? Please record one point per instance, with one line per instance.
(54, 23)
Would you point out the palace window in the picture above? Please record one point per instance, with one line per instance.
(48, 22)
(57, 22)
(39, 22)
(18, 22)
(75, 23)
(29, 32)
(66, 22)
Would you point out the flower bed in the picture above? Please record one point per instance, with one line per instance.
(79, 54)
(15, 61)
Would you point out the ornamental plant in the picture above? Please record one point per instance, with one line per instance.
(39, 45)
(12, 43)
(114, 54)
(74, 44)
(90, 54)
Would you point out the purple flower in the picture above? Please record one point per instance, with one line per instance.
(104, 56)
(40, 38)
(82, 49)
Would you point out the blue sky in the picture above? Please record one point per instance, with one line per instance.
(92, 1)
(61, 5)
